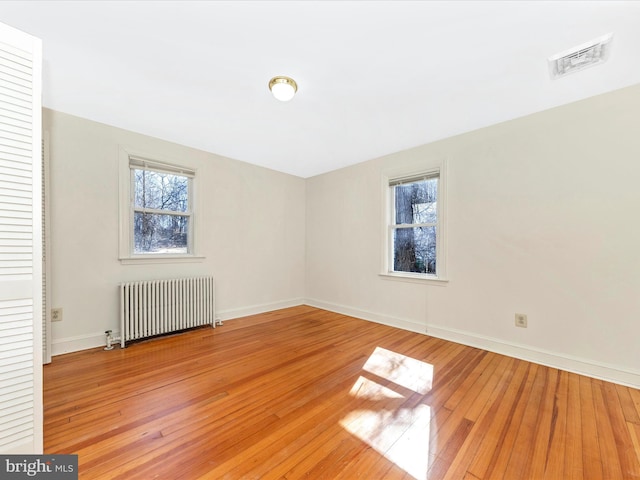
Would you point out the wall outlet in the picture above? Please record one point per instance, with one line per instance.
(521, 320)
(56, 314)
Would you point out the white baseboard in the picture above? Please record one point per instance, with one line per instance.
(582, 366)
(367, 315)
(61, 346)
(231, 313)
(84, 342)
(590, 368)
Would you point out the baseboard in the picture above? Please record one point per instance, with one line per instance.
(74, 344)
(84, 342)
(367, 315)
(589, 368)
(231, 313)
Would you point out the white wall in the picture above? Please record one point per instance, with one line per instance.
(252, 221)
(543, 219)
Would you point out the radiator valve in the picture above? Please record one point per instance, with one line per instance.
(110, 340)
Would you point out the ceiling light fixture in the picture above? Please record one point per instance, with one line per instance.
(283, 88)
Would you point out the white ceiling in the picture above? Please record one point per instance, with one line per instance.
(374, 77)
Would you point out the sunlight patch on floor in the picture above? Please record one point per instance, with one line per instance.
(400, 434)
(365, 388)
(405, 371)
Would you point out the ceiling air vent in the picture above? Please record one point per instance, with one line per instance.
(578, 58)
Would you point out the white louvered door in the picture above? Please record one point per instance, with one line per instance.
(20, 243)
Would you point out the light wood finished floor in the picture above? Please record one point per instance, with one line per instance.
(305, 393)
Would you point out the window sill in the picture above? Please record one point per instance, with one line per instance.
(415, 278)
(149, 259)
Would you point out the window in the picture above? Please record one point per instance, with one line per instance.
(158, 211)
(161, 210)
(414, 242)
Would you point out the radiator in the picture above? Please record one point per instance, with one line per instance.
(151, 308)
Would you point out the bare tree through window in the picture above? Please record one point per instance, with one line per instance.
(414, 228)
(161, 212)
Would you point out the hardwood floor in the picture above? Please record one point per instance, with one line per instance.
(305, 393)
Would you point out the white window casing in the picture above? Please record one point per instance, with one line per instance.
(131, 161)
(396, 177)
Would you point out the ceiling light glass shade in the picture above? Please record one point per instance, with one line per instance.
(283, 88)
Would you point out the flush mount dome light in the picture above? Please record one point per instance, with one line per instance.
(283, 88)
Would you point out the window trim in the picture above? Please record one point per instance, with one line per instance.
(130, 160)
(391, 178)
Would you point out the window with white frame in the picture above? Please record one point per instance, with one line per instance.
(415, 228)
(159, 213)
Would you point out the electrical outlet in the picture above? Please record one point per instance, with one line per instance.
(56, 314)
(521, 320)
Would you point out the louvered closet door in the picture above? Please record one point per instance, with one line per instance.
(20, 243)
